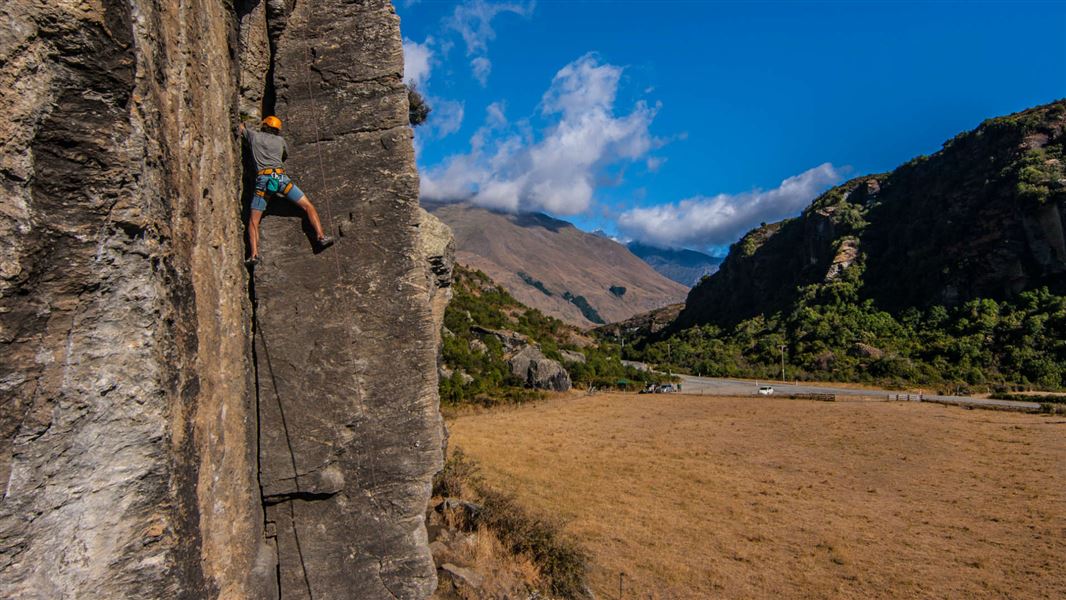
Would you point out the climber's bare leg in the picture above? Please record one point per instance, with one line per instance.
(253, 231)
(312, 216)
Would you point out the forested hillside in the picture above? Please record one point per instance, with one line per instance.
(484, 327)
(949, 269)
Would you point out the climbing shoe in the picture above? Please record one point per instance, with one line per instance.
(252, 262)
(324, 242)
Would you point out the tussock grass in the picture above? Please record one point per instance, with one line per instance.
(560, 564)
(701, 497)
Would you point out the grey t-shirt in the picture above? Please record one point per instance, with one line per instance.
(268, 150)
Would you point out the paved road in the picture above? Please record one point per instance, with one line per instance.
(715, 385)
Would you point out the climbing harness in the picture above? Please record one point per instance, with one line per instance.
(273, 186)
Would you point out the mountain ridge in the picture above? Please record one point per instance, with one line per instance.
(551, 265)
(685, 266)
(982, 217)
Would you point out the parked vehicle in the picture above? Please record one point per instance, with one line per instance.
(766, 390)
(665, 388)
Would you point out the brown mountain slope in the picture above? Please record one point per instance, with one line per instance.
(550, 265)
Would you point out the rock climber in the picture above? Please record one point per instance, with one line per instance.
(270, 151)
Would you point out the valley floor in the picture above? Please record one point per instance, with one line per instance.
(699, 497)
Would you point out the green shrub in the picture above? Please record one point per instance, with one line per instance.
(980, 343)
(478, 302)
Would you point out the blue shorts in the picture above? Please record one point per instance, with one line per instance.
(286, 188)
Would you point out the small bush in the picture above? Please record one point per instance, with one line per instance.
(418, 109)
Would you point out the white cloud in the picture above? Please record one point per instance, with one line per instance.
(446, 118)
(496, 116)
(481, 67)
(472, 20)
(509, 168)
(581, 87)
(417, 61)
(719, 220)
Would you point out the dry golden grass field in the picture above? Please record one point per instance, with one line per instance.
(701, 497)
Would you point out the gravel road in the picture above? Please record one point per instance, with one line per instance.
(732, 387)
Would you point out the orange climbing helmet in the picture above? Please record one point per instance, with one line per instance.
(272, 121)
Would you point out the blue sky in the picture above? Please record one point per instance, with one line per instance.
(687, 123)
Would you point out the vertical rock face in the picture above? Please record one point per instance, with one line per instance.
(135, 408)
(127, 439)
(345, 340)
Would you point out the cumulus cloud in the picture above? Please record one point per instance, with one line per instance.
(509, 167)
(416, 61)
(719, 220)
(472, 20)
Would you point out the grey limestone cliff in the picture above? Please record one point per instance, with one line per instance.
(350, 430)
(170, 428)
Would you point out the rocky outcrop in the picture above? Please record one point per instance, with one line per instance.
(150, 446)
(538, 371)
(982, 218)
(438, 256)
(643, 324)
(867, 351)
(510, 340)
(846, 254)
(572, 357)
(127, 434)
